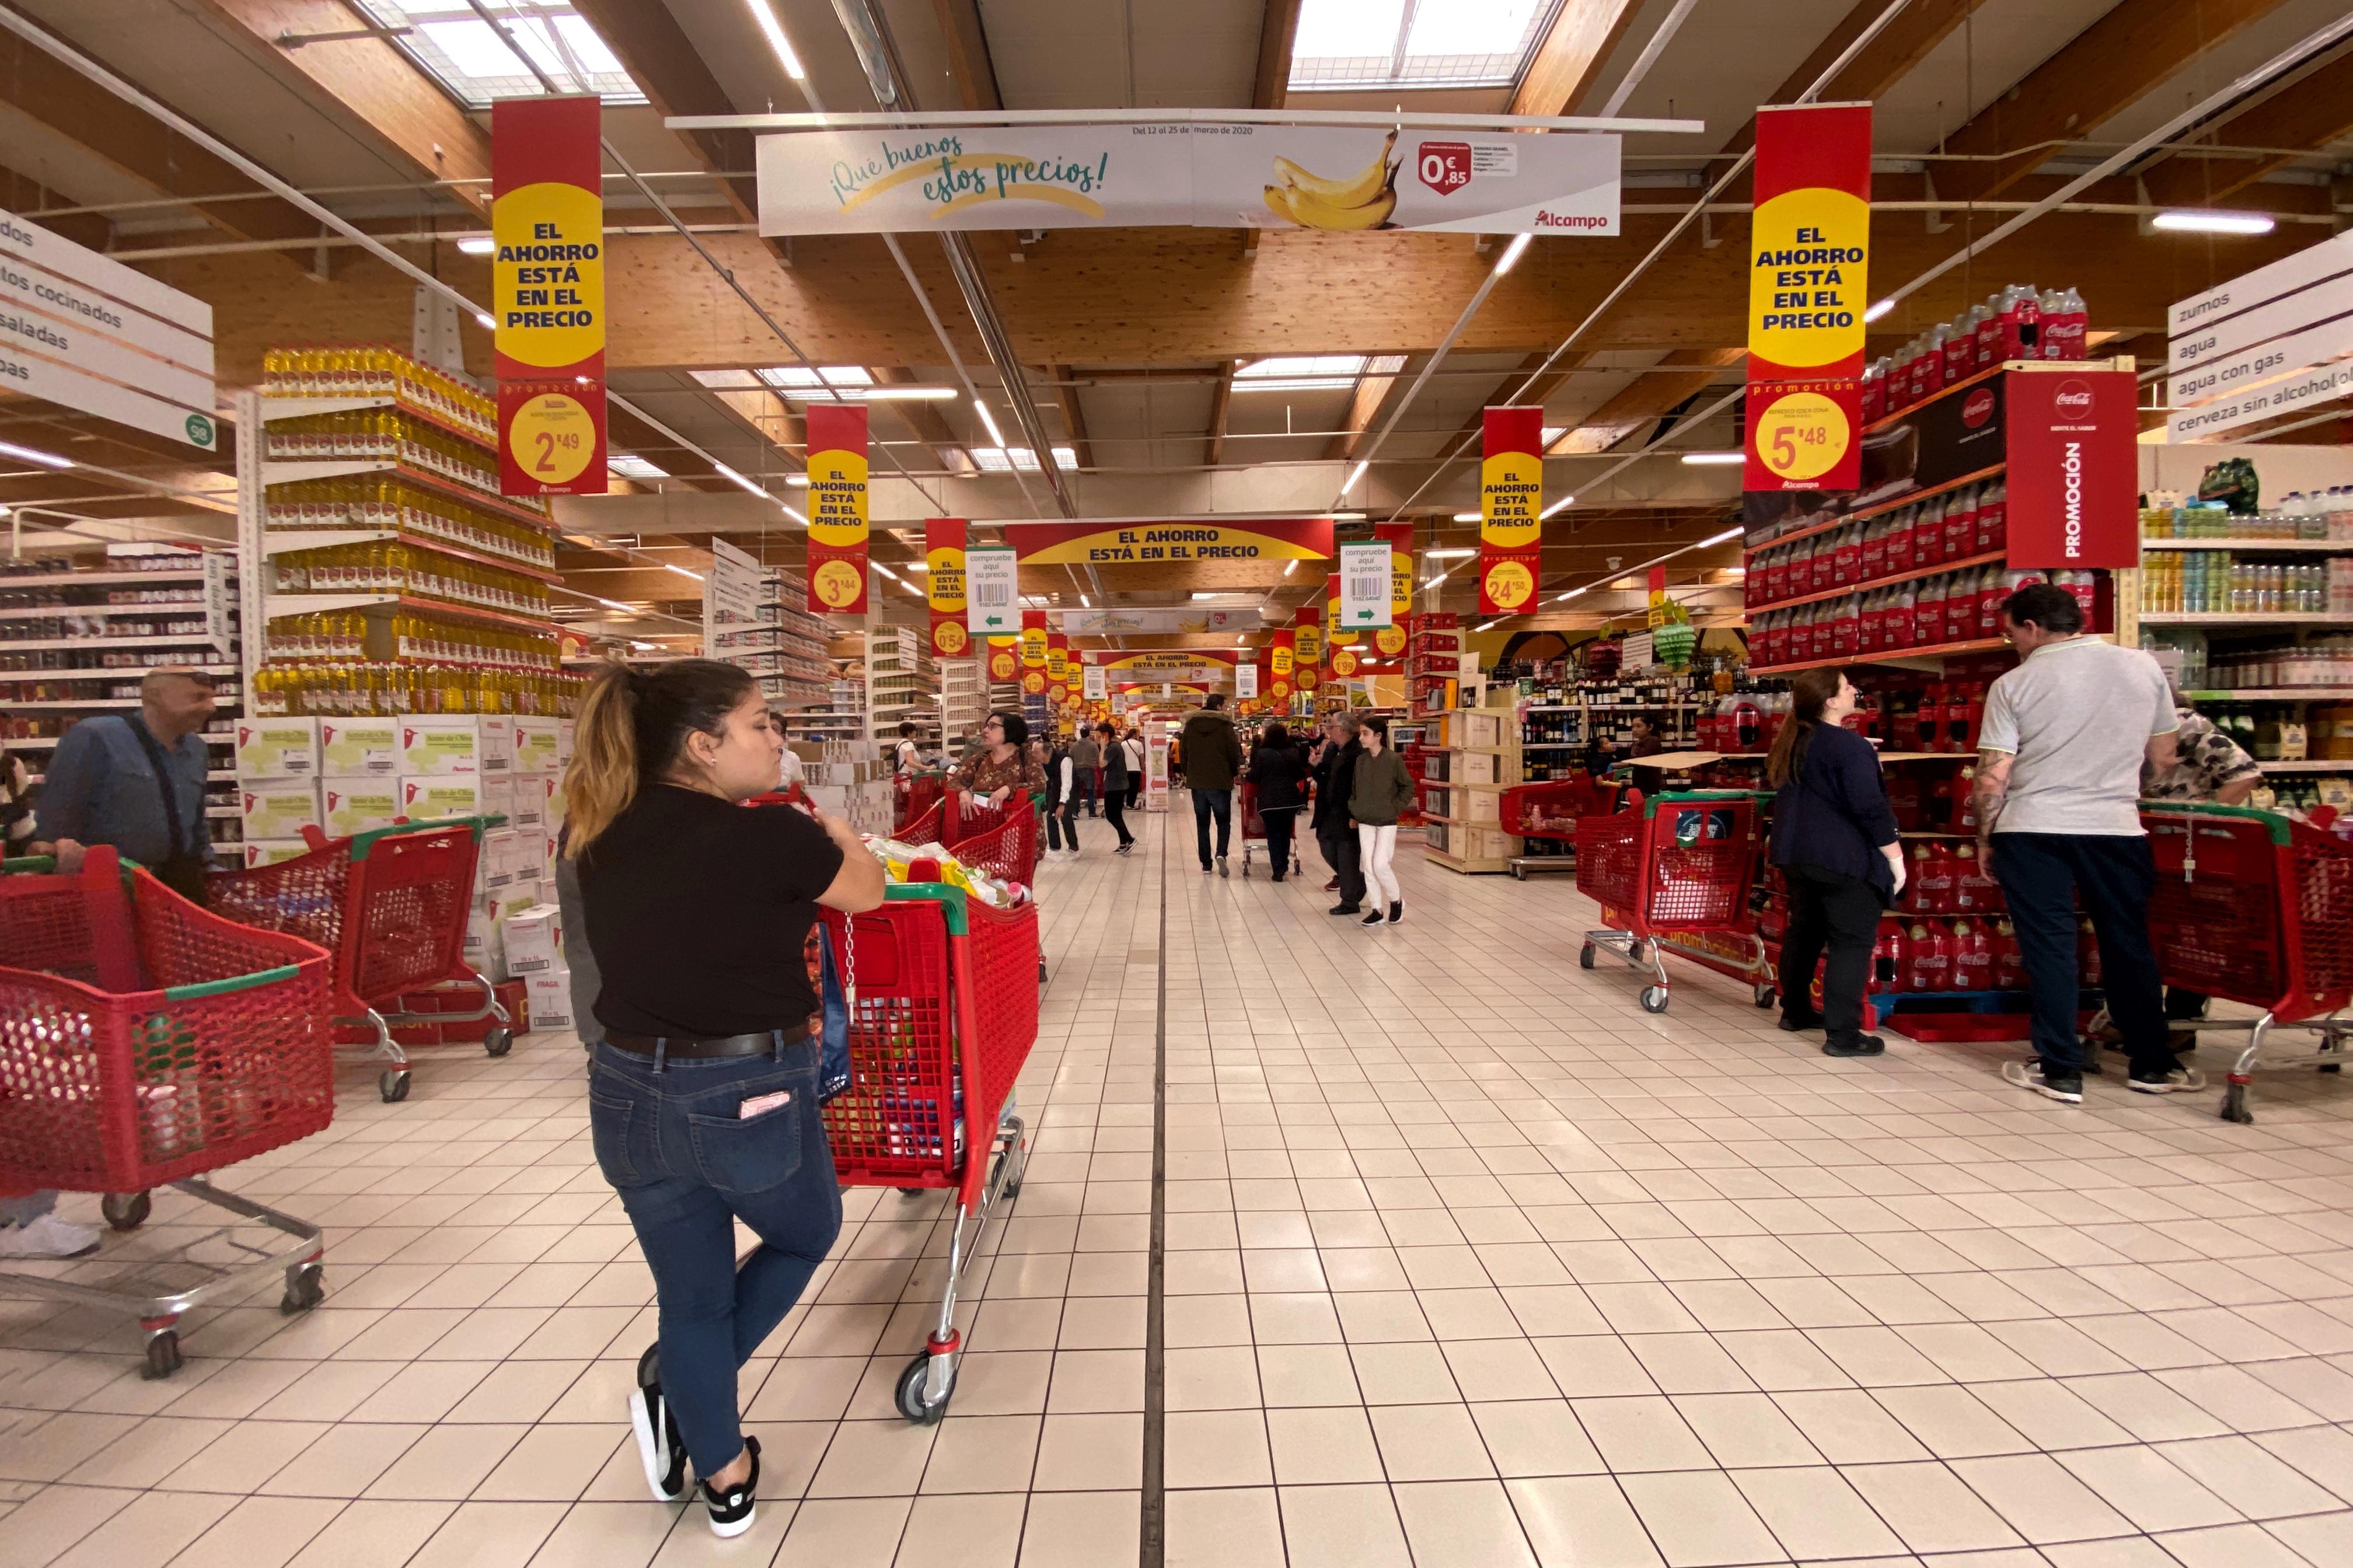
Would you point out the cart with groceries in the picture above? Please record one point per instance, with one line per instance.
(1254, 832)
(1672, 872)
(2256, 908)
(391, 905)
(146, 1043)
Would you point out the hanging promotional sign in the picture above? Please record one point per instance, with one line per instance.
(1307, 637)
(944, 586)
(1096, 683)
(1363, 601)
(1004, 659)
(836, 508)
(1511, 507)
(1193, 665)
(1210, 175)
(1157, 621)
(1033, 640)
(2073, 475)
(1133, 542)
(1389, 641)
(1245, 682)
(547, 293)
(1808, 286)
(1058, 659)
(992, 586)
(1334, 634)
(1344, 663)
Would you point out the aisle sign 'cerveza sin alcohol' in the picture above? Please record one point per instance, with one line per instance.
(836, 508)
(1511, 510)
(547, 294)
(82, 329)
(1809, 286)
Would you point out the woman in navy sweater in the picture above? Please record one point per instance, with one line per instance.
(1835, 838)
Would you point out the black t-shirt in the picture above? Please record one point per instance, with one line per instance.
(698, 914)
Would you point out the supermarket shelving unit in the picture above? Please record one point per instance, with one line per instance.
(1476, 758)
(964, 699)
(902, 686)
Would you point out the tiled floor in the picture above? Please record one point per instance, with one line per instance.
(1468, 1262)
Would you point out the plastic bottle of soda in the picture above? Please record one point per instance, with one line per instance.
(1988, 318)
(2008, 969)
(1874, 549)
(1899, 541)
(1846, 559)
(1972, 957)
(1928, 612)
(2087, 953)
(1887, 955)
(1847, 629)
(1902, 610)
(1994, 517)
(1967, 884)
(1874, 390)
(2083, 585)
(1932, 542)
(1960, 528)
(1960, 349)
(1929, 965)
(2079, 326)
(1961, 607)
(1937, 870)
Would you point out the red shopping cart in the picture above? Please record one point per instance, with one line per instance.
(1001, 840)
(391, 905)
(2256, 908)
(1679, 862)
(1254, 829)
(143, 1043)
(943, 1011)
(1551, 810)
(919, 797)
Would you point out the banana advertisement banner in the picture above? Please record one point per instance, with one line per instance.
(836, 508)
(1808, 287)
(1511, 510)
(547, 294)
(1204, 173)
(943, 540)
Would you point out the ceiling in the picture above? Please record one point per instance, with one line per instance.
(1126, 341)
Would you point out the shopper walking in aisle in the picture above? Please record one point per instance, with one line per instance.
(2209, 766)
(1132, 744)
(1335, 762)
(1278, 768)
(2060, 749)
(1086, 762)
(908, 754)
(1835, 838)
(1114, 785)
(703, 1101)
(1002, 764)
(1381, 791)
(1213, 755)
(29, 1226)
(1062, 799)
(16, 806)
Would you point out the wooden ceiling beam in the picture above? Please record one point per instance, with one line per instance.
(2109, 67)
(1887, 59)
(1570, 57)
(1220, 400)
(966, 42)
(1277, 31)
(1652, 394)
(2311, 110)
(367, 85)
(24, 194)
(924, 420)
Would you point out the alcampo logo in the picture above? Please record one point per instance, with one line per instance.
(1546, 219)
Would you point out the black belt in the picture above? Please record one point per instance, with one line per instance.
(760, 1044)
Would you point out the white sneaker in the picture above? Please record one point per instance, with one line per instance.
(47, 1237)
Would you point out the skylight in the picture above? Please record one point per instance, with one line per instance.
(1005, 459)
(631, 467)
(1299, 373)
(802, 385)
(1345, 44)
(473, 64)
(727, 379)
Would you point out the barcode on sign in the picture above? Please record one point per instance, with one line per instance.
(992, 593)
(1368, 587)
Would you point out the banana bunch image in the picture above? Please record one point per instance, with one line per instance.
(1363, 201)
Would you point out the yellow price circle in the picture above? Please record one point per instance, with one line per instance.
(1033, 683)
(950, 639)
(1001, 665)
(1509, 585)
(1390, 640)
(552, 437)
(1344, 663)
(1803, 435)
(837, 584)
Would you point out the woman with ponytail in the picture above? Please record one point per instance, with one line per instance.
(1835, 838)
(702, 1090)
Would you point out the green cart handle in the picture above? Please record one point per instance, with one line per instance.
(2274, 822)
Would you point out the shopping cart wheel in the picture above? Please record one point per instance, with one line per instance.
(911, 1392)
(2234, 1105)
(1654, 998)
(306, 1287)
(499, 1042)
(1585, 956)
(162, 1353)
(1765, 996)
(394, 1087)
(125, 1211)
(2333, 1044)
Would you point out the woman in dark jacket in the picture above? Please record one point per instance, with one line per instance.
(1835, 838)
(1278, 770)
(1114, 785)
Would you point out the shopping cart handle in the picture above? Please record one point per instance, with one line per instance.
(922, 869)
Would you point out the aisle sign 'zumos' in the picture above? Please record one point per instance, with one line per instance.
(1808, 286)
(836, 508)
(1511, 510)
(944, 586)
(547, 294)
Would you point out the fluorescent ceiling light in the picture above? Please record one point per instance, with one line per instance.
(1455, 554)
(484, 319)
(616, 605)
(1468, 517)
(1563, 598)
(1300, 373)
(473, 60)
(1511, 259)
(681, 571)
(1729, 533)
(1484, 626)
(1290, 566)
(1561, 505)
(2212, 223)
(1085, 602)
(798, 481)
(988, 422)
(30, 455)
(1200, 595)
(1353, 475)
(1348, 516)
(1434, 582)
(775, 33)
(917, 566)
(1005, 459)
(1735, 571)
(1343, 44)
(1879, 309)
(631, 467)
(478, 245)
(910, 394)
(1713, 460)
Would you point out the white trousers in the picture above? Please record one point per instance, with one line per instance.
(1376, 848)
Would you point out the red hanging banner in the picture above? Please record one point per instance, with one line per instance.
(1511, 509)
(836, 508)
(1389, 641)
(1004, 660)
(1809, 286)
(1033, 652)
(1307, 647)
(1335, 635)
(1282, 665)
(943, 540)
(547, 294)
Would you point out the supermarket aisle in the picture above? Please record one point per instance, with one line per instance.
(1468, 1261)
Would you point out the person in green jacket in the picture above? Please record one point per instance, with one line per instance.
(1381, 790)
(1213, 755)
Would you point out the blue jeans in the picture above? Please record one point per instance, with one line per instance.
(2041, 874)
(1083, 788)
(26, 1209)
(668, 1137)
(1208, 803)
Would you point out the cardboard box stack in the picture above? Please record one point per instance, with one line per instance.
(277, 787)
(849, 779)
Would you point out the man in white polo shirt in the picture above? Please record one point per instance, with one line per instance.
(2058, 791)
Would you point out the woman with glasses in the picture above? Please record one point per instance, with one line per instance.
(1003, 765)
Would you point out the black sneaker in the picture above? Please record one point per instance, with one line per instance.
(1854, 1046)
(1397, 912)
(1341, 909)
(1797, 1023)
(2029, 1075)
(2174, 1080)
(659, 1447)
(1371, 919)
(731, 1510)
